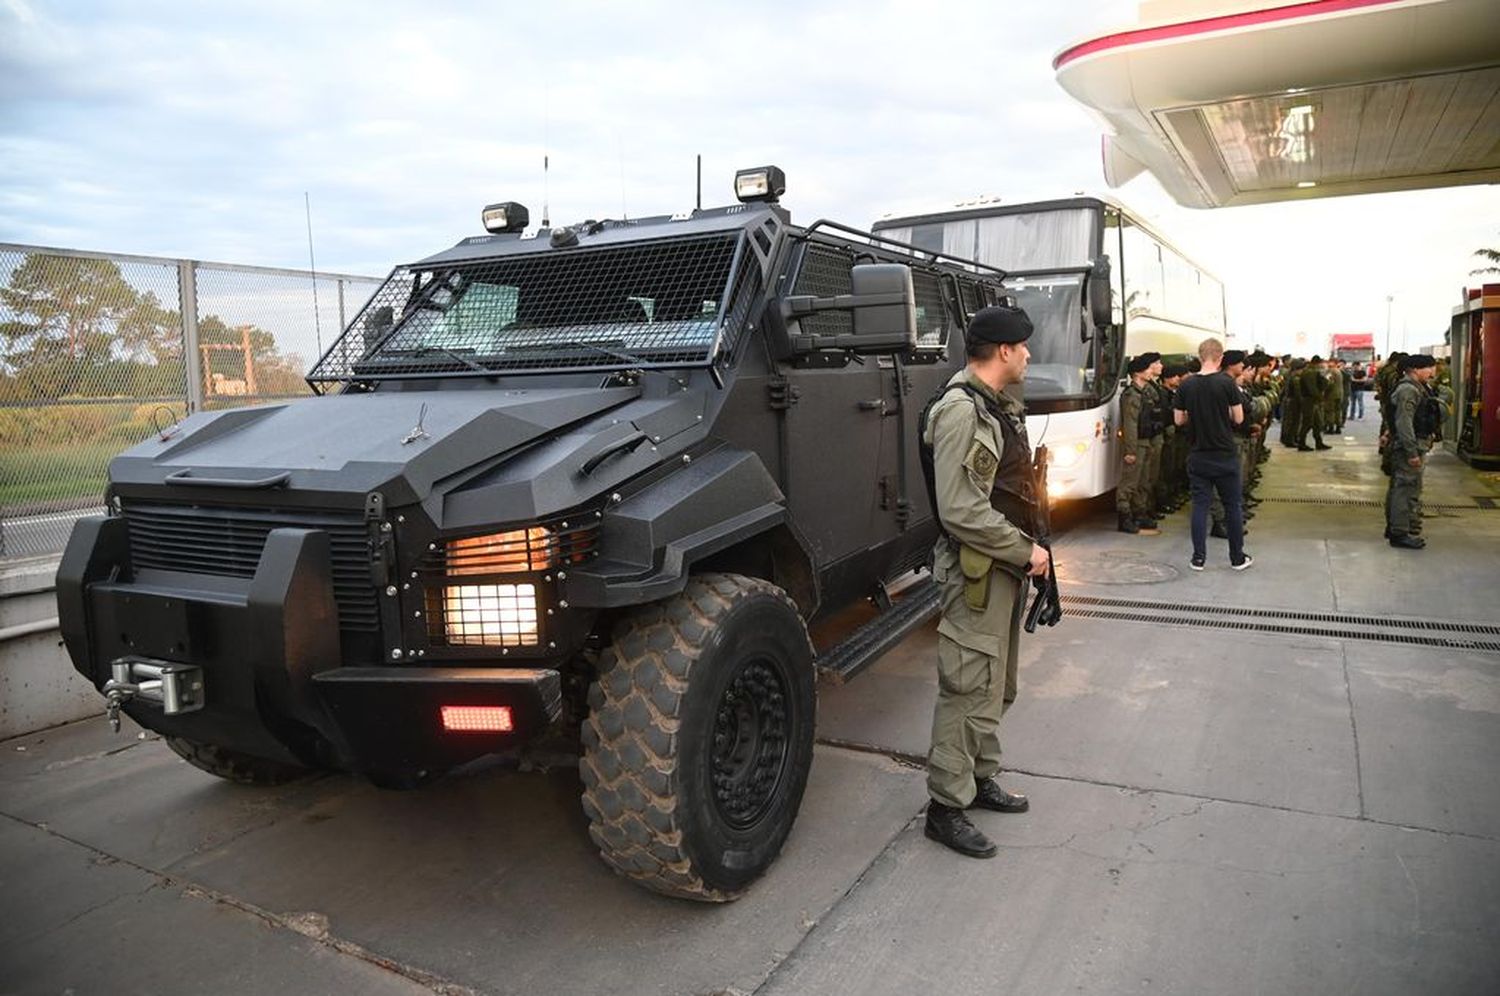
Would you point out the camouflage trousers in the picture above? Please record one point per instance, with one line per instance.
(1403, 498)
(975, 688)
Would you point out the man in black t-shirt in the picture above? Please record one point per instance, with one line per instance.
(1209, 405)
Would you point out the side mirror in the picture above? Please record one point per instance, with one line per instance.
(884, 307)
(895, 322)
(1097, 290)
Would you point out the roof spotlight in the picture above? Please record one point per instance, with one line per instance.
(505, 217)
(763, 183)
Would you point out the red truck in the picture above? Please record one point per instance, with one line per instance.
(1352, 347)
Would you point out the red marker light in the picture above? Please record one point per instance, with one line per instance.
(476, 719)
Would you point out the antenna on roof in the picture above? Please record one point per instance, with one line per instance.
(545, 190)
(620, 157)
(312, 267)
(699, 205)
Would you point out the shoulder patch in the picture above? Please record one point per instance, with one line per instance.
(981, 461)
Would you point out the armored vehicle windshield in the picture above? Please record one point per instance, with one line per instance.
(548, 304)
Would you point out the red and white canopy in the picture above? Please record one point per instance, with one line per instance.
(1242, 103)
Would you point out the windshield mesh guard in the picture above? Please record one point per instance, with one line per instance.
(665, 303)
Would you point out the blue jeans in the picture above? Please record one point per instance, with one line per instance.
(1356, 403)
(1209, 472)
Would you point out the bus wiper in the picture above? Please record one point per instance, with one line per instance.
(445, 351)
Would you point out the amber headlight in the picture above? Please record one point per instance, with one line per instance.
(533, 549)
(490, 615)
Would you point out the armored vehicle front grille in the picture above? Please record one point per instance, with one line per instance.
(227, 542)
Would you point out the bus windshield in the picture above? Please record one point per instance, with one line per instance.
(1062, 363)
(1034, 240)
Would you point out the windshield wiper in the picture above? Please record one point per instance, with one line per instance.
(444, 350)
(579, 344)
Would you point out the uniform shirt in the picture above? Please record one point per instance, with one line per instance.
(967, 444)
(1207, 399)
(1405, 398)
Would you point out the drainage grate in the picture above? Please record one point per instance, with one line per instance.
(1479, 503)
(1409, 639)
(1337, 626)
(1338, 618)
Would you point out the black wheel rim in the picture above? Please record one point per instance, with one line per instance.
(750, 743)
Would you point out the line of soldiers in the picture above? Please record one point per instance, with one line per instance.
(1153, 451)
(1315, 399)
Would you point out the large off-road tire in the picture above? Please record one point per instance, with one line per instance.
(246, 769)
(699, 738)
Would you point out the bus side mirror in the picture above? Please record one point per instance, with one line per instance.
(1097, 291)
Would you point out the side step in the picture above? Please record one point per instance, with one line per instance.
(863, 647)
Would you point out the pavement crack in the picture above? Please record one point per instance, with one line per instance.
(313, 926)
(917, 760)
(1359, 774)
(813, 924)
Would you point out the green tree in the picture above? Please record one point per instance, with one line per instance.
(74, 326)
(1490, 256)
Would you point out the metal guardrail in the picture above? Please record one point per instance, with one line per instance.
(98, 348)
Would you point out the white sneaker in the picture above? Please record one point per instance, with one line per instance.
(1244, 564)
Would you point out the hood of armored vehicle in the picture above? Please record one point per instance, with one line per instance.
(361, 442)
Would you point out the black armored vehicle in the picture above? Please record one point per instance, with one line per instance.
(602, 475)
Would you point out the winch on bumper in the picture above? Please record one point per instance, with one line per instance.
(254, 664)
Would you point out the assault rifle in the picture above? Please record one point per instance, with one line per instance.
(1046, 606)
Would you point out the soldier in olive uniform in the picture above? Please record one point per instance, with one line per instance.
(1133, 493)
(1160, 414)
(1312, 391)
(982, 484)
(1336, 396)
(1414, 422)
(1291, 403)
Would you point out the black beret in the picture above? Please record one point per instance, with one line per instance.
(999, 324)
(1174, 370)
(1417, 361)
(1138, 364)
(1233, 356)
(1151, 358)
(1258, 360)
(1316, 359)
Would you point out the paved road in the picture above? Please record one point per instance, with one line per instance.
(1296, 801)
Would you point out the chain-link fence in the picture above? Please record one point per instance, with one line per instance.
(97, 350)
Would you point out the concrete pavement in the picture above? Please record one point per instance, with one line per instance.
(1215, 809)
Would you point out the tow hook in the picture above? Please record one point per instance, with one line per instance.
(177, 688)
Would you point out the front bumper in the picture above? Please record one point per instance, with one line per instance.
(269, 649)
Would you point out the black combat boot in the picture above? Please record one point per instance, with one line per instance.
(989, 795)
(1145, 522)
(951, 828)
(1127, 524)
(1406, 541)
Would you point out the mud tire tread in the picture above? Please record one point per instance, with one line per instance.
(630, 765)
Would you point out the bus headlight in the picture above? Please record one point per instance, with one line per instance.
(1069, 454)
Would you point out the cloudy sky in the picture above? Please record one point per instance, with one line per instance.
(195, 130)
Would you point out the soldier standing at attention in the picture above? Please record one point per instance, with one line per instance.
(1336, 396)
(1291, 403)
(1414, 421)
(1161, 413)
(1312, 391)
(1131, 494)
(982, 483)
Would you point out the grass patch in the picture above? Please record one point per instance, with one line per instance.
(39, 478)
